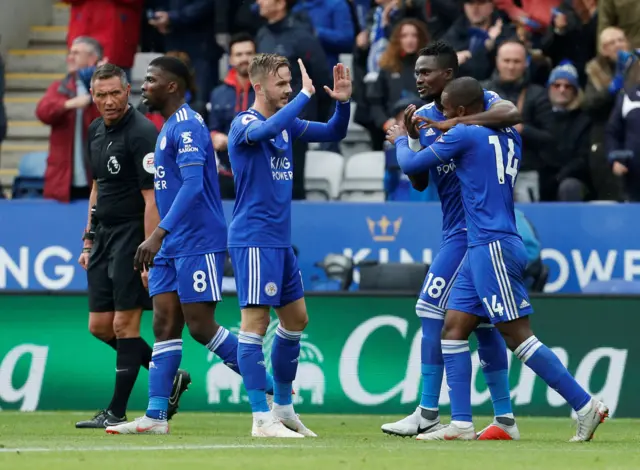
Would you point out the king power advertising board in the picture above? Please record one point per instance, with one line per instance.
(40, 240)
(358, 355)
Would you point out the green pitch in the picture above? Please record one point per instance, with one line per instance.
(49, 441)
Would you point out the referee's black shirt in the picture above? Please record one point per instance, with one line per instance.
(121, 158)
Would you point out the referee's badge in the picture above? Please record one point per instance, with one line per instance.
(148, 163)
(271, 289)
(163, 142)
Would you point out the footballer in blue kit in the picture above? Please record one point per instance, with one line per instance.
(265, 266)
(489, 285)
(437, 65)
(185, 255)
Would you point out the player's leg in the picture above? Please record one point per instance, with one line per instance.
(253, 267)
(492, 352)
(292, 313)
(168, 323)
(430, 308)
(512, 308)
(457, 357)
(200, 289)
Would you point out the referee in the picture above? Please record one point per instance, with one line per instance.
(121, 148)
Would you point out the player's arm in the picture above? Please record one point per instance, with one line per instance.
(143, 149)
(257, 131)
(443, 150)
(501, 114)
(191, 158)
(419, 181)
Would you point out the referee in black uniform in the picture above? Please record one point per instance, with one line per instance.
(121, 147)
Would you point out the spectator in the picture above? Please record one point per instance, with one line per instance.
(475, 36)
(187, 27)
(396, 79)
(285, 35)
(511, 82)
(439, 15)
(623, 138)
(68, 109)
(604, 81)
(622, 14)
(535, 15)
(572, 35)
(333, 25)
(3, 114)
(190, 95)
(115, 24)
(227, 100)
(565, 176)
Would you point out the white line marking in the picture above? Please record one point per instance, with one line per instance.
(144, 448)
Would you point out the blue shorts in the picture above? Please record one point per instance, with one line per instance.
(440, 278)
(266, 276)
(196, 278)
(490, 283)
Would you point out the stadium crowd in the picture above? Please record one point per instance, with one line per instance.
(569, 66)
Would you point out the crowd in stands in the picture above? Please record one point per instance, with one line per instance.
(571, 67)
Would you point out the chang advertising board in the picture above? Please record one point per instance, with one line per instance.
(41, 240)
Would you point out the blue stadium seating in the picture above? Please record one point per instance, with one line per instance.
(30, 180)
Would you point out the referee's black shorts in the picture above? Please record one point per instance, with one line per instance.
(113, 283)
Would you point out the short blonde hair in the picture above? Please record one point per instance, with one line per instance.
(266, 64)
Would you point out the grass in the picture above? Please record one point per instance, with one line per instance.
(49, 441)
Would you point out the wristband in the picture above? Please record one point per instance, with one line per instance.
(86, 250)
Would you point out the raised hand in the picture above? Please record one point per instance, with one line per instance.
(394, 132)
(443, 126)
(409, 123)
(342, 87)
(307, 84)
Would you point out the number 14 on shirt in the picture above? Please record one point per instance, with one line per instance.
(512, 165)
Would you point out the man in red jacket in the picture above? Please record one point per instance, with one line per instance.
(68, 109)
(115, 24)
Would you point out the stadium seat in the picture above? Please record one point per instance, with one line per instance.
(30, 180)
(322, 175)
(363, 178)
(612, 286)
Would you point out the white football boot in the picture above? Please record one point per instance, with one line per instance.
(451, 432)
(502, 429)
(143, 425)
(291, 420)
(421, 421)
(267, 425)
(589, 421)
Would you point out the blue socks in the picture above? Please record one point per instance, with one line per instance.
(165, 361)
(457, 360)
(492, 351)
(252, 368)
(225, 345)
(432, 366)
(548, 367)
(284, 359)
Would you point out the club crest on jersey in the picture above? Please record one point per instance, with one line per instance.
(186, 138)
(163, 142)
(271, 289)
(148, 163)
(113, 165)
(285, 135)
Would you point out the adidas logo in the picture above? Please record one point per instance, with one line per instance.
(524, 304)
(430, 132)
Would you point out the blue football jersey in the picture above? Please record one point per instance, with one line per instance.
(263, 178)
(183, 141)
(443, 176)
(487, 163)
